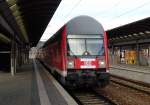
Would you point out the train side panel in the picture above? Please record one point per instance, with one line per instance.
(106, 51)
(64, 52)
(55, 53)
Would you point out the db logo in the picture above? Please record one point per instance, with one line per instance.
(87, 62)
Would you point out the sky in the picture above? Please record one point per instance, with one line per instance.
(110, 13)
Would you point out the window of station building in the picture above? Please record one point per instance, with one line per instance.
(130, 54)
(116, 55)
(144, 55)
(122, 56)
(144, 50)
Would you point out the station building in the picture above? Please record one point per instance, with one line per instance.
(130, 44)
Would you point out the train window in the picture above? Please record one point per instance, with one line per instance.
(95, 46)
(78, 46)
(85, 36)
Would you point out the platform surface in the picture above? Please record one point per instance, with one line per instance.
(135, 72)
(19, 89)
(32, 87)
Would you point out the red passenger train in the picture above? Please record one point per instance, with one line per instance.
(78, 53)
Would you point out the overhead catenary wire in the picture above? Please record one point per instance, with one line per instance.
(132, 10)
(75, 6)
(65, 17)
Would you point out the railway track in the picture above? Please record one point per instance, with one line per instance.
(89, 97)
(145, 88)
(124, 91)
(120, 91)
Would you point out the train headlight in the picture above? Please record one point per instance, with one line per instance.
(102, 64)
(70, 64)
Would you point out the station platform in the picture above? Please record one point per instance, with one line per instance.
(32, 85)
(134, 72)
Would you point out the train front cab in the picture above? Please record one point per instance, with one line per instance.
(87, 60)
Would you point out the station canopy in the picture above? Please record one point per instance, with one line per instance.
(133, 31)
(27, 19)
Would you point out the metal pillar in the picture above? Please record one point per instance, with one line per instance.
(19, 56)
(120, 49)
(22, 60)
(26, 54)
(13, 57)
(113, 54)
(149, 55)
(137, 51)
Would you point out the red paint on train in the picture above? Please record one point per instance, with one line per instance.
(78, 52)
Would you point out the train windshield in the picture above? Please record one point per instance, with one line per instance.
(78, 46)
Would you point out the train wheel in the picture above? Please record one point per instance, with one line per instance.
(103, 83)
(63, 80)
